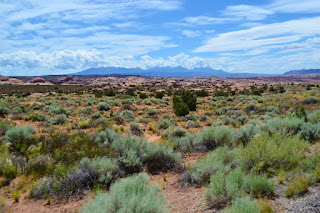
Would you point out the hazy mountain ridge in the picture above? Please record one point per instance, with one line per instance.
(163, 72)
(302, 72)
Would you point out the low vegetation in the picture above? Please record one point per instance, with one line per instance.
(238, 144)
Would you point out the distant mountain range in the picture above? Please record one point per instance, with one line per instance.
(302, 72)
(163, 72)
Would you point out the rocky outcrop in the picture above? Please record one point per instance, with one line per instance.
(67, 78)
(3, 78)
(38, 80)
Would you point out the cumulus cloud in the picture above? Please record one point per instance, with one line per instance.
(34, 25)
(270, 34)
(248, 12)
(295, 6)
(68, 61)
(191, 33)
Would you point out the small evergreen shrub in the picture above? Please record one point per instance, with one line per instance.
(59, 119)
(310, 100)
(96, 115)
(136, 129)
(127, 115)
(215, 137)
(4, 111)
(107, 136)
(36, 117)
(225, 187)
(44, 187)
(133, 193)
(164, 124)
(16, 110)
(40, 165)
(223, 160)
(56, 110)
(258, 185)
(297, 185)
(20, 138)
(154, 157)
(309, 132)
(267, 153)
(178, 133)
(244, 205)
(104, 169)
(103, 106)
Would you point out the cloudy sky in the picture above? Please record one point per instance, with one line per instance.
(65, 36)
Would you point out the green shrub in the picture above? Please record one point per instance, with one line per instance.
(133, 193)
(4, 111)
(118, 119)
(58, 110)
(189, 99)
(224, 188)
(310, 100)
(59, 119)
(309, 132)
(87, 110)
(244, 205)
(8, 169)
(103, 106)
(160, 158)
(245, 134)
(178, 133)
(159, 95)
(36, 117)
(135, 129)
(204, 168)
(16, 110)
(20, 138)
(259, 185)
(298, 185)
(104, 169)
(40, 165)
(154, 157)
(143, 95)
(2, 206)
(151, 112)
(314, 117)
(107, 136)
(267, 153)
(215, 137)
(127, 115)
(164, 124)
(184, 144)
(44, 187)
(287, 126)
(84, 125)
(4, 126)
(96, 115)
(192, 124)
(181, 109)
(16, 196)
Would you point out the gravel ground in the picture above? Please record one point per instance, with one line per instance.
(308, 203)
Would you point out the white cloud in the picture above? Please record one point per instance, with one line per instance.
(314, 41)
(270, 34)
(191, 33)
(68, 61)
(195, 21)
(251, 13)
(35, 25)
(295, 6)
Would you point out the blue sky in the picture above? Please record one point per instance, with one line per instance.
(258, 36)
